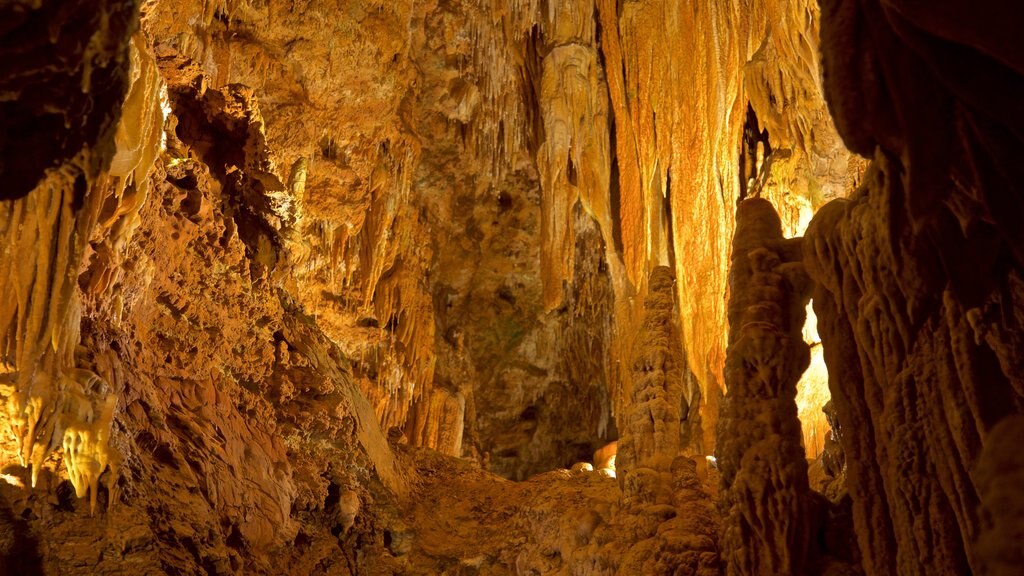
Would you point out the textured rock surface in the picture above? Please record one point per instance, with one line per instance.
(652, 434)
(236, 421)
(64, 74)
(562, 522)
(447, 199)
(275, 252)
(919, 278)
(765, 498)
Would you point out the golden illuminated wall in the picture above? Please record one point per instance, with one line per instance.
(634, 111)
(679, 78)
(52, 400)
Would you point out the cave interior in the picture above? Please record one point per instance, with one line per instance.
(512, 287)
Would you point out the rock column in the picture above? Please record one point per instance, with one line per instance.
(765, 495)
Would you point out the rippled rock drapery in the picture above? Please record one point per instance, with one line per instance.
(919, 276)
(765, 498)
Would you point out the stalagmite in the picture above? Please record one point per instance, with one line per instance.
(653, 414)
(765, 498)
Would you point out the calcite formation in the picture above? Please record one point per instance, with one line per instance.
(765, 498)
(346, 287)
(918, 276)
(651, 436)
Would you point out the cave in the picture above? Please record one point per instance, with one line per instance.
(496, 287)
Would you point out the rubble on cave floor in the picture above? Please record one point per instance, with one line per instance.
(461, 517)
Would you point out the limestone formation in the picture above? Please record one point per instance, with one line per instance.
(918, 276)
(651, 435)
(240, 240)
(765, 499)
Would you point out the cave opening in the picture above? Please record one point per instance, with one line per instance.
(812, 391)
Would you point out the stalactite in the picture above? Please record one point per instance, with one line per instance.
(39, 316)
(438, 420)
(87, 452)
(56, 404)
(573, 159)
(385, 262)
(138, 140)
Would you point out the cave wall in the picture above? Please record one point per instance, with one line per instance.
(918, 290)
(487, 130)
(212, 425)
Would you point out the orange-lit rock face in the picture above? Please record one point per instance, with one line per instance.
(260, 234)
(446, 147)
(680, 78)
